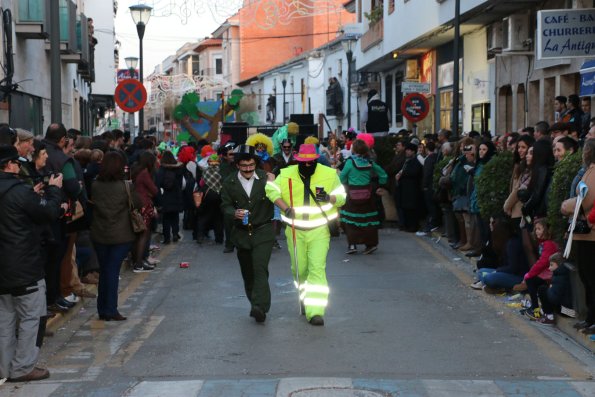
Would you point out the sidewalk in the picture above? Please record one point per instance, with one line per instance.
(563, 323)
(128, 283)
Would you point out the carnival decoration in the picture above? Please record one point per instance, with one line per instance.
(200, 119)
(266, 14)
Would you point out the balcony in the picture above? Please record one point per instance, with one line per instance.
(373, 36)
(68, 33)
(30, 19)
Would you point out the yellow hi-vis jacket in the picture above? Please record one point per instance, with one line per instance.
(307, 213)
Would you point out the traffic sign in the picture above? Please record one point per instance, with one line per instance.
(407, 87)
(130, 95)
(415, 107)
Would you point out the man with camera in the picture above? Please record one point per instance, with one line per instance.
(23, 213)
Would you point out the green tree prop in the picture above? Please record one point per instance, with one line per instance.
(187, 110)
(493, 184)
(564, 172)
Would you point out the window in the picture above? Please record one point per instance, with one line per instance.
(195, 65)
(218, 66)
(446, 109)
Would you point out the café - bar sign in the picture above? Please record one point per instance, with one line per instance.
(566, 33)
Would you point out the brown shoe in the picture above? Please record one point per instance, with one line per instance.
(36, 374)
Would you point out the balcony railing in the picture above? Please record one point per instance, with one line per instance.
(373, 36)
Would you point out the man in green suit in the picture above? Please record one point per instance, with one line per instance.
(252, 233)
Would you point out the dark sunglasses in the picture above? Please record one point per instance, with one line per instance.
(286, 147)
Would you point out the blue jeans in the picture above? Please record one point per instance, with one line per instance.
(110, 257)
(494, 279)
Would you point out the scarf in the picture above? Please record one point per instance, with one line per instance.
(212, 178)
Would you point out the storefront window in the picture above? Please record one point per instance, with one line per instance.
(480, 117)
(446, 108)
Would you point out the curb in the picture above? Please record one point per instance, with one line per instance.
(563, 323)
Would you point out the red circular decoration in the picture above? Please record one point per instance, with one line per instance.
(415, 107)
(130, 95)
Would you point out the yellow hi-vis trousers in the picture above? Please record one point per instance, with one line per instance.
(312, 249)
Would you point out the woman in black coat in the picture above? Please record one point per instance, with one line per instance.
(409, 188)
(169, 182)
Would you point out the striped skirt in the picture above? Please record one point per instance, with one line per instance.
(360, 219)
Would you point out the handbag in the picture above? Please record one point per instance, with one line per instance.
(359, 194)
(136, 218)
(198, 197)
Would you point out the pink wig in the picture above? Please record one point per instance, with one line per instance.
(367, 138)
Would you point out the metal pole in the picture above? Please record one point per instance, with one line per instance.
(131, 124)
(349, 58)
(55, 63)
(284, 83)
(140, 29)
(455, 84)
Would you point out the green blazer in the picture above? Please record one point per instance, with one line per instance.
(233, 196)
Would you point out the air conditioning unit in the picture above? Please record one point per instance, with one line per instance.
(515, 32)
(494, 37)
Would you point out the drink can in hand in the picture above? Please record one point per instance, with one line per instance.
(245, 218)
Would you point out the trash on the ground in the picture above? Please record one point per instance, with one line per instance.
(345, 260)
(184, 265)
(456, 259)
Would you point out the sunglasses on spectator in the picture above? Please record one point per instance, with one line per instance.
(286, 147)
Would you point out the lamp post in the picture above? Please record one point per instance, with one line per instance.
(131, 63)
(347, 47)
(140, 15)
(284, 84)
(455, 84)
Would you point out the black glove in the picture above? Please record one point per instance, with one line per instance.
(322, 196)
(289, 212)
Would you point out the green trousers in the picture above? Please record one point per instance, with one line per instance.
(254, 253)
(312, 249)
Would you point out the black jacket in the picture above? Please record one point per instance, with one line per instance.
(23, 213)
(535, 205)
(55, 164)
(169, 182)
(428, 174)
(409, 187)
(560, 292)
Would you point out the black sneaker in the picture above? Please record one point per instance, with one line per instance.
(317, 320)
(369, 250)
(64, 304)
(276, 245)
(142, 268)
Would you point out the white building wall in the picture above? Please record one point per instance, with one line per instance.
(102, 12)
(476, 82)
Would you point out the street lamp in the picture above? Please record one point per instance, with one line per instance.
(140, 15)
(347, 47)
(284, 84)
(131, 63)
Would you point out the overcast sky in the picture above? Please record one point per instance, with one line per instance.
(165, 34)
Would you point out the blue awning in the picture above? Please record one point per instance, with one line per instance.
(588, 78)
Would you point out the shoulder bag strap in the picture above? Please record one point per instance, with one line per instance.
(307, 187)
(127, 185)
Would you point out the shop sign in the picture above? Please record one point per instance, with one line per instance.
(566, 33)
(407, 87)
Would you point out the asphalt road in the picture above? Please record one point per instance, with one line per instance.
(402, 321)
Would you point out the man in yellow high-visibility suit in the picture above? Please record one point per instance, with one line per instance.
(314, 188)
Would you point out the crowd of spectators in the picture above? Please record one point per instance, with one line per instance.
(510, 201)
